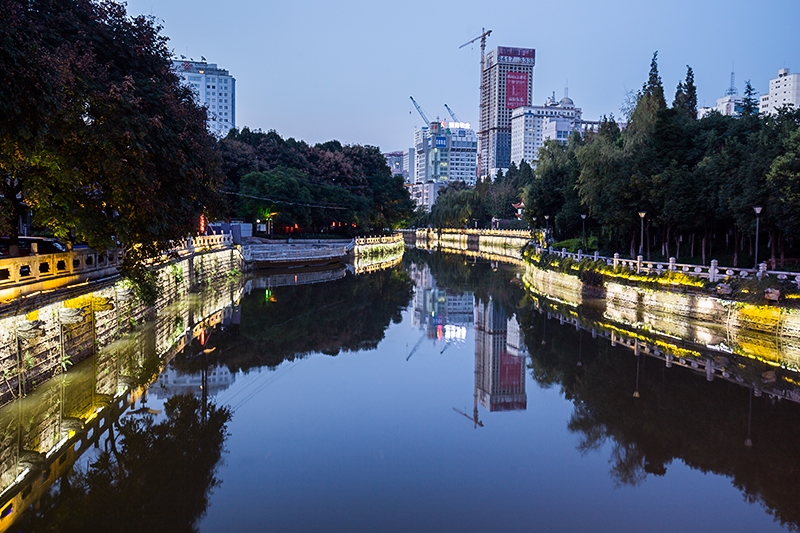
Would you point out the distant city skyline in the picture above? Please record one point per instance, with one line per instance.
(318, 71)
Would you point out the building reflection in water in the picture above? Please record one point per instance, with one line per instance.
(172, 382)
(499, 359)
(442, 314)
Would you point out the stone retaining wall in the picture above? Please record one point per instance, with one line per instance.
(36, 344)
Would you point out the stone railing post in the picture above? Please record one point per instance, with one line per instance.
(563, 252)
(639, 264)
(712, 272)
(616, 260)
(672, 264)
(596, 255)
(580, 255)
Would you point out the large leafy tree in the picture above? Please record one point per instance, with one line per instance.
(97, 137)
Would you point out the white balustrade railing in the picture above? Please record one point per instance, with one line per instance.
(85, 261)
(37, 267)
(712, 272)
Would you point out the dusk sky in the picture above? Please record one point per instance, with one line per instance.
(321, 70)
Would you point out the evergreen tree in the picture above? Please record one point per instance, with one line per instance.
(686, 96)
(750, 102)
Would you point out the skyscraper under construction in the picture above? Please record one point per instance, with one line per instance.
(506, 84)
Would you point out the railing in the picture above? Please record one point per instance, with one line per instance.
(490, 232)
(712, 272)
(36, 267)
(383, 239)
(279, 253)
(86, 263)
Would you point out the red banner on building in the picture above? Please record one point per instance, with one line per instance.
(510, 372)
(516, 89)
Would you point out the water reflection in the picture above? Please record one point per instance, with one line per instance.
(653, 398)
(643, 401)
(149, 476)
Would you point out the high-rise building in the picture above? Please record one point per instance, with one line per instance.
(506, 85)
(783, 91)
(532, 125)
(444, 152)
(215, 89)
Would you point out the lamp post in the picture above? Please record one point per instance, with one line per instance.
(757, 209)
(534, 226)
(546, 228)
(642, 214)
(583, 231)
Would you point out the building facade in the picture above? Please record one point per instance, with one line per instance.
(507, 84)
(443, 152)
(783, 91)
(214, 88)
(531, 126)
(400, 163)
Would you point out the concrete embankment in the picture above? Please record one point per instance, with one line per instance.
(44, 335)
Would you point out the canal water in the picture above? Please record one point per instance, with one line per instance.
(435, 395)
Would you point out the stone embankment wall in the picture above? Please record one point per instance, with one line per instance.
(766, 332)
(37, 343)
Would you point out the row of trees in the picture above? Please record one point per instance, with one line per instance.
(697, 180)
(313, 187)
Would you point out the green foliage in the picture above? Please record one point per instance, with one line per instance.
(315, 187)
(97, 136)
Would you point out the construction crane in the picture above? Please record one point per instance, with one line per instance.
(476, 422)
(422, 338)
(421, 113)
(453, 115)
(482, 123)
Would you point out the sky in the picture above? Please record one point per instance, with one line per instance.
(344, 69)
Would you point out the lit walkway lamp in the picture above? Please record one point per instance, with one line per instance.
(757, 209)
(642, 214)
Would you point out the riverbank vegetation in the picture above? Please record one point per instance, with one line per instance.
(327, 187)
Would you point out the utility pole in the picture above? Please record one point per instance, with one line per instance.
(481, 133)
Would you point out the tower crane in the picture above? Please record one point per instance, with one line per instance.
(482, 121)
(453, 115)
(421, 113)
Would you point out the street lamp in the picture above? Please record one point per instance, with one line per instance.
(534, 226)
(547, 227)
(583, 230)
(757, 209)
(642, 214)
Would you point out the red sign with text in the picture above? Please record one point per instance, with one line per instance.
(516, 89)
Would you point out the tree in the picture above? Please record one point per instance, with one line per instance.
(750, 101)
(686, 96)
(119, 150)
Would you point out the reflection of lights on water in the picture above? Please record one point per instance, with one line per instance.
(458, 333)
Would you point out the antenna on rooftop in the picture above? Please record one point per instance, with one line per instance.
(732, 89)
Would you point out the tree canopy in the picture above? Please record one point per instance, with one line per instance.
(315, 187)
(98, 139)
